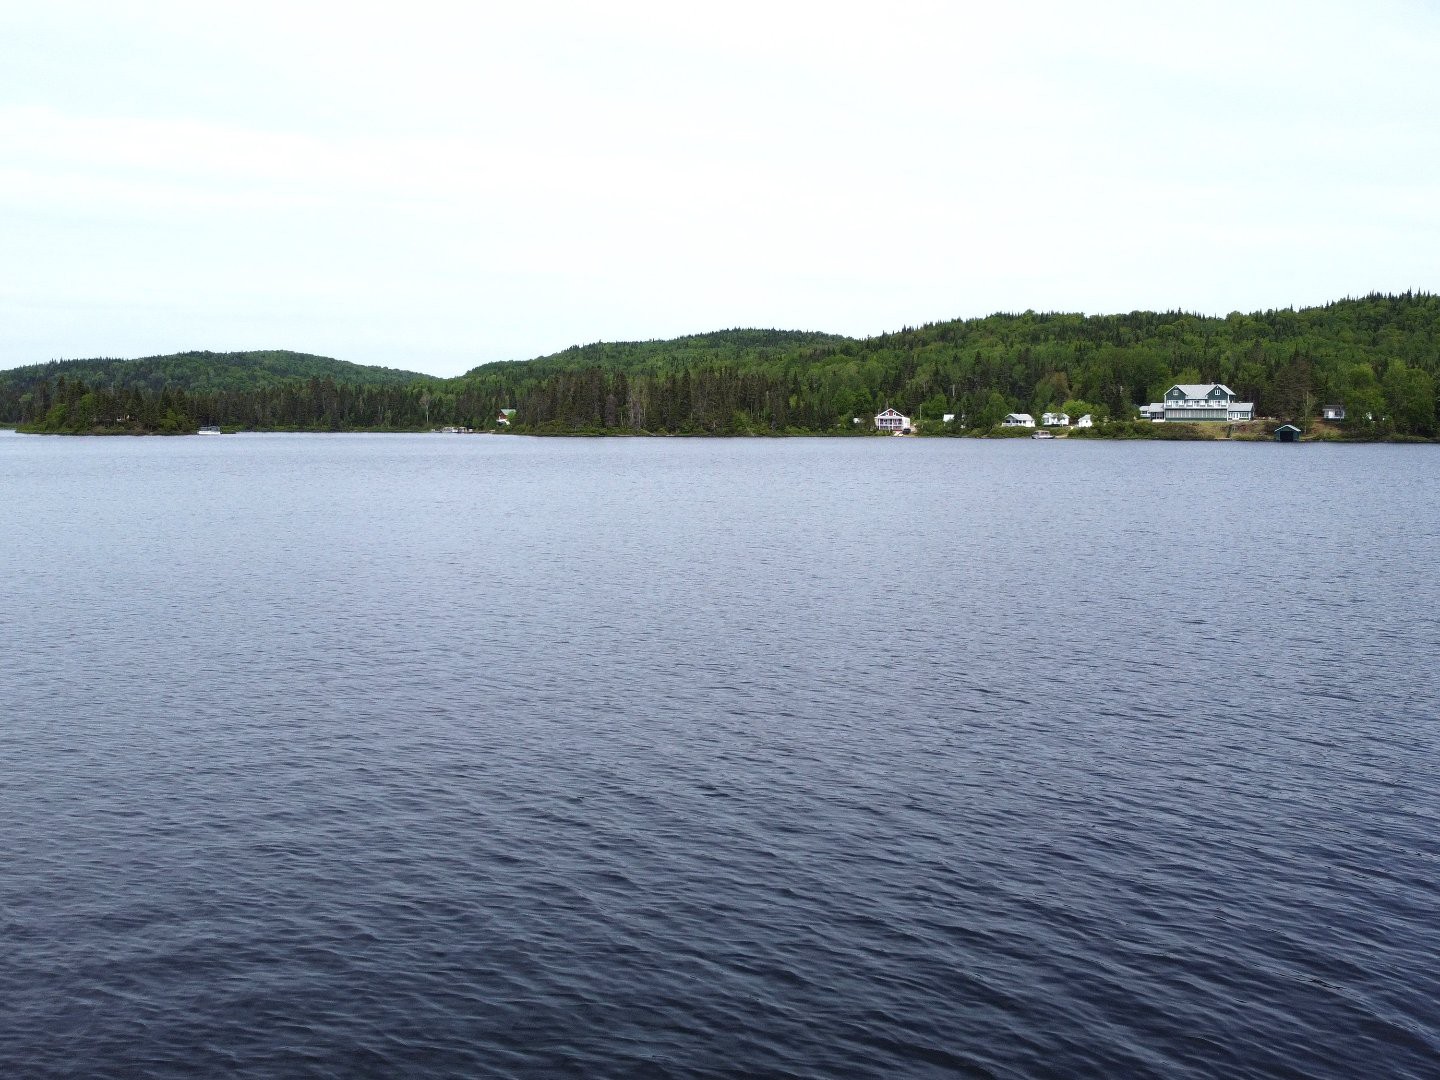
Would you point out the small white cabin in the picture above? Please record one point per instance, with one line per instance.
(947, 418)
(1085, 421)
(890, 420)
(1332, 412)
(1018, 419)
(1055, 419)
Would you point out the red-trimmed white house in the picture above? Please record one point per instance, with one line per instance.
(891, 421)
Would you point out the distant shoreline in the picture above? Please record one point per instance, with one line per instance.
(1174, 434)
(1361, 357)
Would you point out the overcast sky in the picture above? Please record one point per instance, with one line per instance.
(434, 185)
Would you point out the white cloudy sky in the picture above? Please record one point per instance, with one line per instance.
(433, 185)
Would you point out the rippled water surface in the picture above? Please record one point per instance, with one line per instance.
(421, 756)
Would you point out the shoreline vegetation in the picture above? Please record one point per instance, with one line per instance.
(1377, 357)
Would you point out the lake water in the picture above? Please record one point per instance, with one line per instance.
(353, 756)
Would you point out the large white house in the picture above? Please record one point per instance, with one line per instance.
(1055, 419)
(890, 420)
(1199, 402)
(1018, 419)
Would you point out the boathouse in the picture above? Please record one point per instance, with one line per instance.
(1287, 433)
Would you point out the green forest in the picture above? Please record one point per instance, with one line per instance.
(1376, 356)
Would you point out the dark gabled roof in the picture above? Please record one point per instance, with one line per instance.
(1200, 390)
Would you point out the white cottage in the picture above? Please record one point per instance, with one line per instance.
(1332, 412)
(1018, 419)
(891, 421)
(1055, 419)
(1085, 421)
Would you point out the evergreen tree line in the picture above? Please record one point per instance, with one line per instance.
(74, 406)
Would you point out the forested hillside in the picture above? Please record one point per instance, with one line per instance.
(1378, 356)
(205, 372)
(722, 347)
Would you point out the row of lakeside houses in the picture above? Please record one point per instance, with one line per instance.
(1049, 419)
(899, 424)
(1184, 402)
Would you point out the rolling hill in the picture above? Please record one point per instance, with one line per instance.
(207, 372)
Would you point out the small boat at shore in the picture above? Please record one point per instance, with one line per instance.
(209, 429)
(1043, 435)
